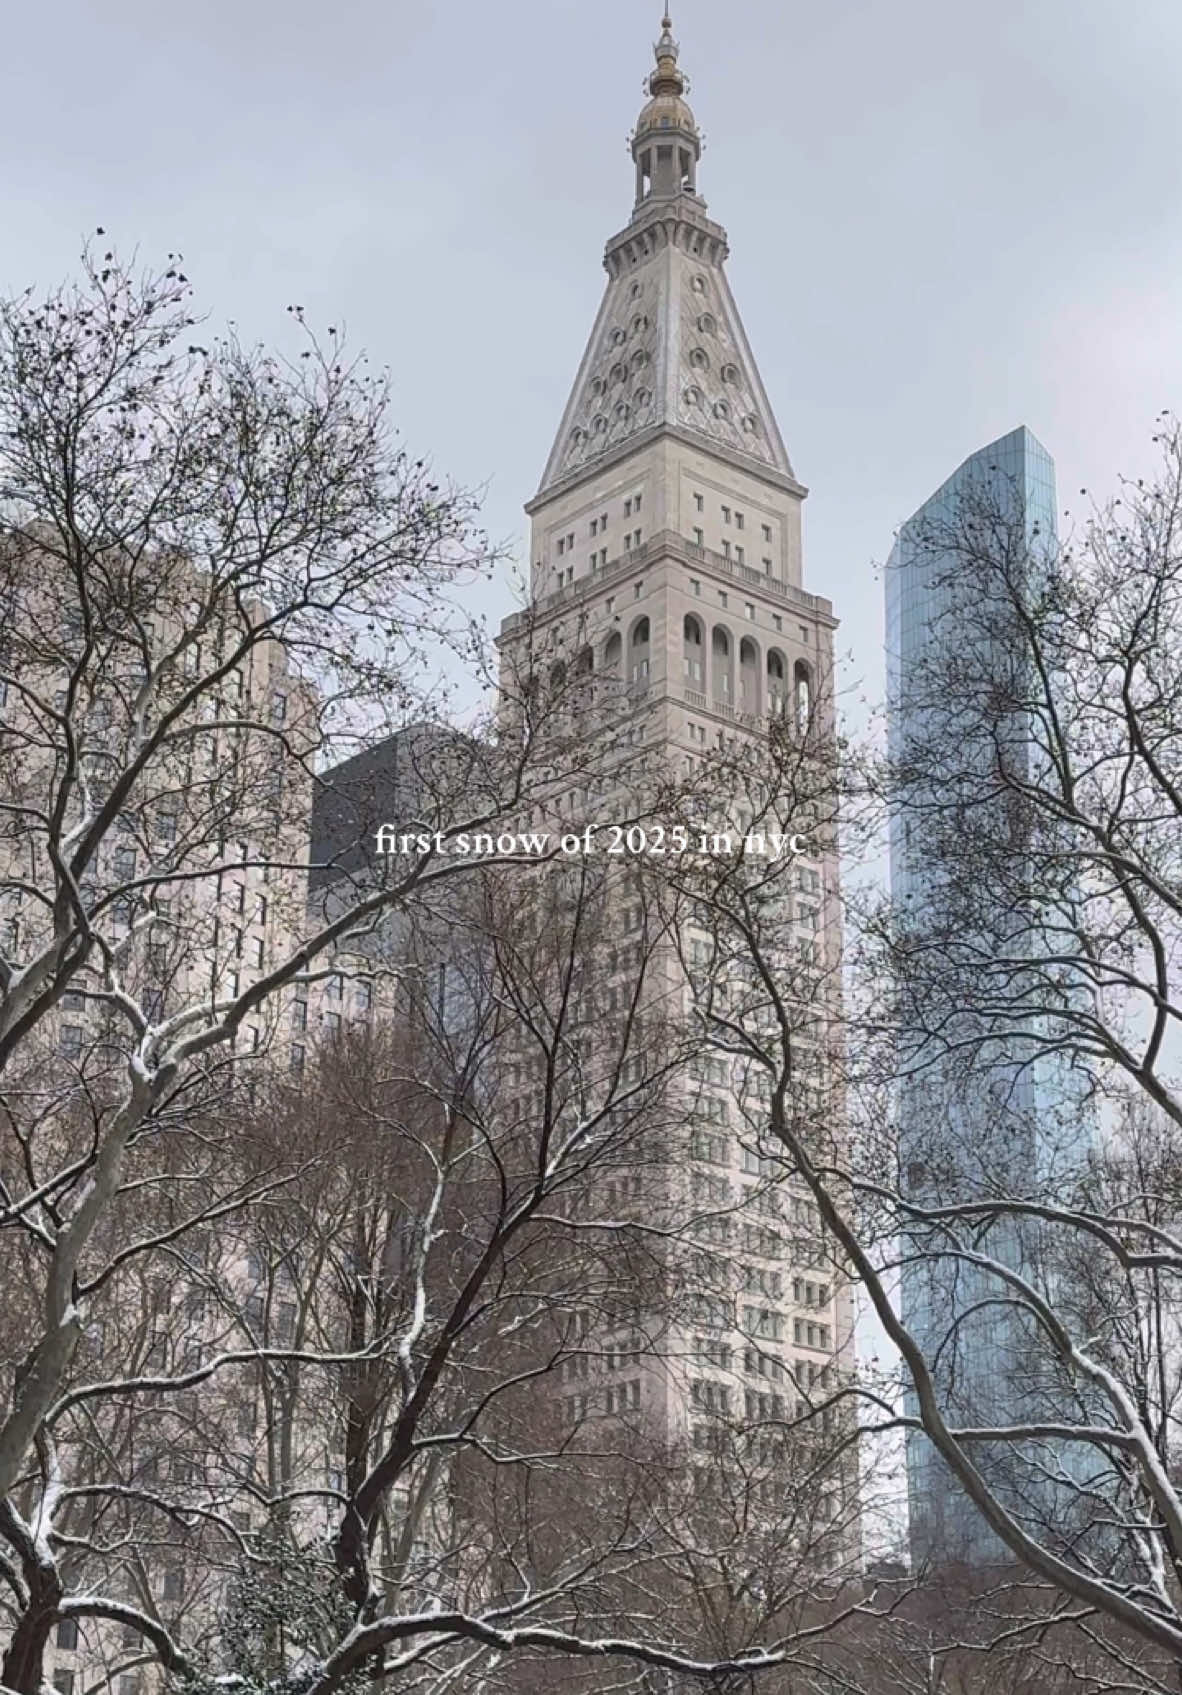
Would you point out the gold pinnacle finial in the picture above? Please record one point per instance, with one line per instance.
(667, 79)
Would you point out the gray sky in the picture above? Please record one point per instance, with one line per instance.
(946, 218)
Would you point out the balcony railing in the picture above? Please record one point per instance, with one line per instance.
(666, 542)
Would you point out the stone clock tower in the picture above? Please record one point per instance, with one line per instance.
(666, 554)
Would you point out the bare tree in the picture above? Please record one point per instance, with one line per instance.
(243, 1294)
(1044, 796)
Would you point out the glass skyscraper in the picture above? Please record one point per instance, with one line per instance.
(1010, 1125)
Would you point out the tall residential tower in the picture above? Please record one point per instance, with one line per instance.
(987, 1111)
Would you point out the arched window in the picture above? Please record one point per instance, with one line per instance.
(748, 676)
(584, 676)
(638, 652)
(722, 665)
(803, 690)
(777, 683)
(695, 652)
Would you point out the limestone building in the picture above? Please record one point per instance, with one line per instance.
(666, 556)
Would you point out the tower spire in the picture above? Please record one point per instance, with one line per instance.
(667, 78)
(666, 144)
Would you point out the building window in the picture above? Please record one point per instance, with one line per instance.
(726, 550)
(627, 509)
(595, 526)
(699, 539)
(63, 1680)
(699, 503)
(739, 554)
(67, 1633)
(740, 521)
(695, 586)
(749, 608)
(298, 1056)
(70, 1041)
(726, 514)
(561, 546)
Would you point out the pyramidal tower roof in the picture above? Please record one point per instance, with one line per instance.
(668, 350)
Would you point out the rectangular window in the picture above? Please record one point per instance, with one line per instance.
(739, 554)
(70, 1041)
(695, 586)
(278, 706)
(749, 608)
(298, 1055)
(67, 1633)
(777, 622)
(767, 532)
(726, 514)
(595, 526)
(257, 946)
(628, 542)
(627, 509)
(699, 503)
(699, 539)
(726, 550)
(740, 521)
(561, 546)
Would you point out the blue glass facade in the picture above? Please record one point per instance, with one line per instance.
(1002, 1129)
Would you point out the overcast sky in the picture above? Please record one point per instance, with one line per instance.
(946, 219)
